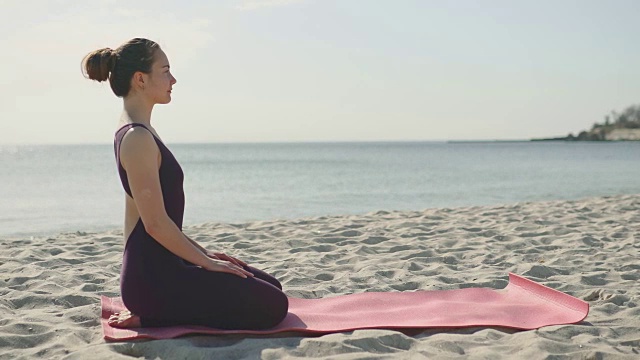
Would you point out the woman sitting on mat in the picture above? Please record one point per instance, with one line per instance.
(167, 278)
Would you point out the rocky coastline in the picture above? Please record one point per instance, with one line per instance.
(623, 126)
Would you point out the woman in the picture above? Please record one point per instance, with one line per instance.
(167, 278)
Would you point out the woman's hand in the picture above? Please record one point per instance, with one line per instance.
(226, 266)
(224, 257)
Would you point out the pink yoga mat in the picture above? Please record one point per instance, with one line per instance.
(523, 304)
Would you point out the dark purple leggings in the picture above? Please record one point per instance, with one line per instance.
(165, 290)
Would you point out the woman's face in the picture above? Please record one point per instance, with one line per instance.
(160, 80)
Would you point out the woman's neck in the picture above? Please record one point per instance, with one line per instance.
(136, 110)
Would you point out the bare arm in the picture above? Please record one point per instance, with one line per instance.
(204, 251)
(139, 157)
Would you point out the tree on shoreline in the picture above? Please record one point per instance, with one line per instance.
(628, 119)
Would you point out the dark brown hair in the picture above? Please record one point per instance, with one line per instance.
(119, 65)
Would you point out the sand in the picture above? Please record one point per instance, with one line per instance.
(588, 248)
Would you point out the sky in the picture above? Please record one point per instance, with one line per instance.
(325, 70)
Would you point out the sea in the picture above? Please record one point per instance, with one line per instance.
(51, 189)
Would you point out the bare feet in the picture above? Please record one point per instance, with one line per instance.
(124, 319)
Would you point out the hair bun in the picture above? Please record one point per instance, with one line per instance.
(119, 65)
(112, 56)
(98, 64)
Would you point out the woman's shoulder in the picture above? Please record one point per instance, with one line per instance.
(138, 142)
(127, 127)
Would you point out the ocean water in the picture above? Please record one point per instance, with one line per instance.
(66, 188)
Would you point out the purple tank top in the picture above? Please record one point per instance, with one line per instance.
(170, 173)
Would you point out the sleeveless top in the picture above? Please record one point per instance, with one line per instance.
(170, 174)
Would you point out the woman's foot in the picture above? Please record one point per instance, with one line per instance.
(124, 320)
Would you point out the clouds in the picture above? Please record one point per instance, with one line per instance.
(44, 87)
(259, 4)
(294, 70)
(80, 28)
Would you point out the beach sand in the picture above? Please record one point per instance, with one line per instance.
(589, 248)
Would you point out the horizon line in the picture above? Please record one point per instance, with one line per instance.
(281, 142)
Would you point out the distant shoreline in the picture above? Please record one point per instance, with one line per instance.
(624, 134)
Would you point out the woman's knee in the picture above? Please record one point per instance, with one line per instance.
(272, 309)
(264, 276)
(282, 308)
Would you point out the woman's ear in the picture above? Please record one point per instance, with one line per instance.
(138, 80)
